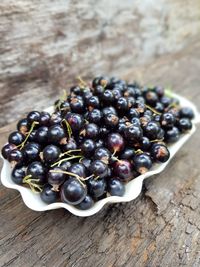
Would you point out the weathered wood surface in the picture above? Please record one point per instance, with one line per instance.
(45, 44)
(160, 228)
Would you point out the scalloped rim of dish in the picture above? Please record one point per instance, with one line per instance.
(133, 188)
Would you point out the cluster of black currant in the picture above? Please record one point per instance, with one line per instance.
(99, 137)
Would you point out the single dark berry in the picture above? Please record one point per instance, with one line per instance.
(73, 192)
(122, 104)
(115, 142)
(91, 130)
(93, 102)
(172, 135)
(71, 145)
(102, 154)
(86, 162)
(77, 105)
(115, 187)
(86, 204)
(37, 171)
(56, 135)
(99, 169)
(128, 153)
(124, 170)
(56, 177)
(78, 169)
(111, 120)
(151, 130)
(16, 138)
(5, 151)
(87, 147)
(133, 133)
(18, 174)
(94, 116)
(51, 154)
(44, 118)
(160, 153)
(166, 101)
(184, 125)
(23, 126)
(133, 113)
(96, 187)
(109, 110)
(31, 152)
(41, 135)
(142, 163)
(186, 112)
(145, 143)
(56, 118)
(168, 120)
(151, 98)
(48, 195)
(15, 156)
(75, 121)
(33, 116)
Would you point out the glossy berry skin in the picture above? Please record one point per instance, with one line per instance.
(88, 147)
(109, 110)
(124, 170)
(86, 162)
(122, 104)
(151, 98)
(37, 171)
(6, 149)
(44, 118)
(94, 116)
(145, 143)
(115, 142)
(160, 153)
(75, 121)
(166, 101)
(51, 154)
(168, 120)
(48, 195)
(133, 113)
(78, 169)
(93, 102)
(18, 173)
(56, 135)
(56, 178)
(86, 204)
(77, 105)
(98, 168)
(31, 152)
(23, 126)
(99, 143)
(16, 138)
(98, 90)
(151, 130)
(184, 125)
(115, 187)
(172, 135)
(56, 118)
(111, 120)
(33, 116)
(108, 97)
(71, 145)
(133, 133)
(96, 187)
(186, 112)
(73, 192)
(65, 165)
(15, 156)
(142, 163)
(102, 154)
(128, 153)
(91, 131)
(41, 135)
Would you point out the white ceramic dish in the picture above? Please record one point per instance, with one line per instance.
(133, 188)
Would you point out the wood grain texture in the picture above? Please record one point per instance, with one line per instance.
(45, 44)
(160, 228)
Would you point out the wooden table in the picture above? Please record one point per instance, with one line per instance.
(160, 228)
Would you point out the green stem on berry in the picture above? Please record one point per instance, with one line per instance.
(69, 129)
(156, 140)
(153, 110)
(71, 174)
(66, 159)
(138, 151)
(36, 188)
(82, 83)
(69, 152)
(30, 131)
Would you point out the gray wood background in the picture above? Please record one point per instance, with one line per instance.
(45, 45)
